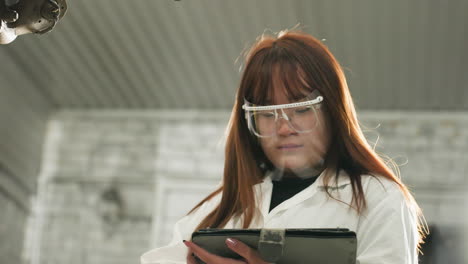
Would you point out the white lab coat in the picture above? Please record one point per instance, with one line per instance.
(386, 232)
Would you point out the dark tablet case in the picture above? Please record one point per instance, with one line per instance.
(327, 245)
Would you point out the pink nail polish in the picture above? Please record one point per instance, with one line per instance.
(231, 242)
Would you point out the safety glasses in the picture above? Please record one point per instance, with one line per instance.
(301, 116)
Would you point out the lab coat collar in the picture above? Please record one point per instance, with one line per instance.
(342, 179)
(263, 192)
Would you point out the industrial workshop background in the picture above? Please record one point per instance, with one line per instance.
(112, 125)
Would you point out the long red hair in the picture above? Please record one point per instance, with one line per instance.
(296, 60)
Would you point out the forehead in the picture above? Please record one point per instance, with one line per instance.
(275, 77)
(280, 97)
(287, 87)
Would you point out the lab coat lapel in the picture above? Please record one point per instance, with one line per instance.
(263, 193)
(296, 199)
(317, 186)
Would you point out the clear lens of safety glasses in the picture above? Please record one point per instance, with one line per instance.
(301, 116)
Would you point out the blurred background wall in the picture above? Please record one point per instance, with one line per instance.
(112, 125)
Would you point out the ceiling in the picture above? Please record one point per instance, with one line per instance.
(164, 54)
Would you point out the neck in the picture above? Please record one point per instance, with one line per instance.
(304, 173)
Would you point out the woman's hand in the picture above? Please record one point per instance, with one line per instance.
(250, 255)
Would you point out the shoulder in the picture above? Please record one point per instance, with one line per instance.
(175, 251)
(371, 184)
(388, 227)
(379, 184)
(187, 224)
(204, 209)
(381, 191)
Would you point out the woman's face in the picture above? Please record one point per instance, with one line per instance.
(290, 150)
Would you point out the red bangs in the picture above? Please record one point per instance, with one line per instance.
(278, 76)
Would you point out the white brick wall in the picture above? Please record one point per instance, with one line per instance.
(12, 223)
(433, 148)
(163, 162)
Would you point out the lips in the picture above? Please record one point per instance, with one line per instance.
(289, 146)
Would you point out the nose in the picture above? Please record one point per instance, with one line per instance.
(284, 128)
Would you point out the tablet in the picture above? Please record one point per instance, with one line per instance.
(322, 245)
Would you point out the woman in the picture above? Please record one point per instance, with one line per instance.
(296, 158)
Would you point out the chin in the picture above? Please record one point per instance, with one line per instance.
(295, 164)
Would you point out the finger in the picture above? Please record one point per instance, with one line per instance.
(201, 253)
(208, 257)
(191, 258)
(245, 251)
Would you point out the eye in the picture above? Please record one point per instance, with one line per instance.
(266, 115)
(302, 110)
